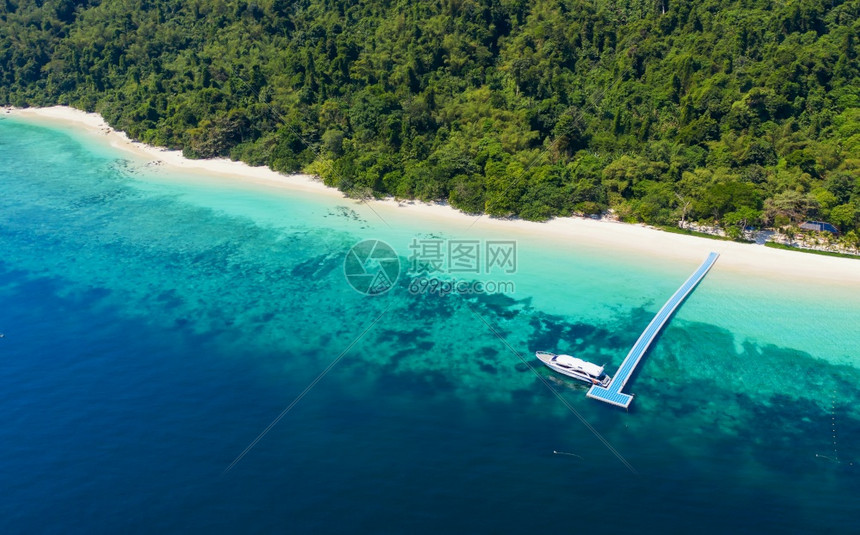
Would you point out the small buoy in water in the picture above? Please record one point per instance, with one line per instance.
(2, 335)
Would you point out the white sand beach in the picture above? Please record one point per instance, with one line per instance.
(635, 239)
(94, 124)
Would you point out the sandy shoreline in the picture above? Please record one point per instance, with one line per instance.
(633, 239)
(93, 124)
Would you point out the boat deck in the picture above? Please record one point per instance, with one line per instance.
(612, 394)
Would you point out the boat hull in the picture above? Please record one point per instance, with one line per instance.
(548, 359)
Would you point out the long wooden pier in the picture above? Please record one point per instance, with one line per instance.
(612, 393)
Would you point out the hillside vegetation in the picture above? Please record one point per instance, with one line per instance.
(743, 112)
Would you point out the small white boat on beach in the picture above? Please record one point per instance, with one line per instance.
(574, 367)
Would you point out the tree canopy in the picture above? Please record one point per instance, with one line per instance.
(743, 111)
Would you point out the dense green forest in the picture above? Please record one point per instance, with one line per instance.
(743, 112)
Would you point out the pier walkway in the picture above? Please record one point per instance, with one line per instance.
(612, 393)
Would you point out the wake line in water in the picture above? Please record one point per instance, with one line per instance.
(304, 392)
(831, 459)
(566, 453)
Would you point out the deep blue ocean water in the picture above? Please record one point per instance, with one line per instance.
(154, 327)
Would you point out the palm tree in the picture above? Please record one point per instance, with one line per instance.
(851, 239)
(790, 234)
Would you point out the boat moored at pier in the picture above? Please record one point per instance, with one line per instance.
(574, 367)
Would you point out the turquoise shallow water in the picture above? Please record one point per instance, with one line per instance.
(155, 325)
